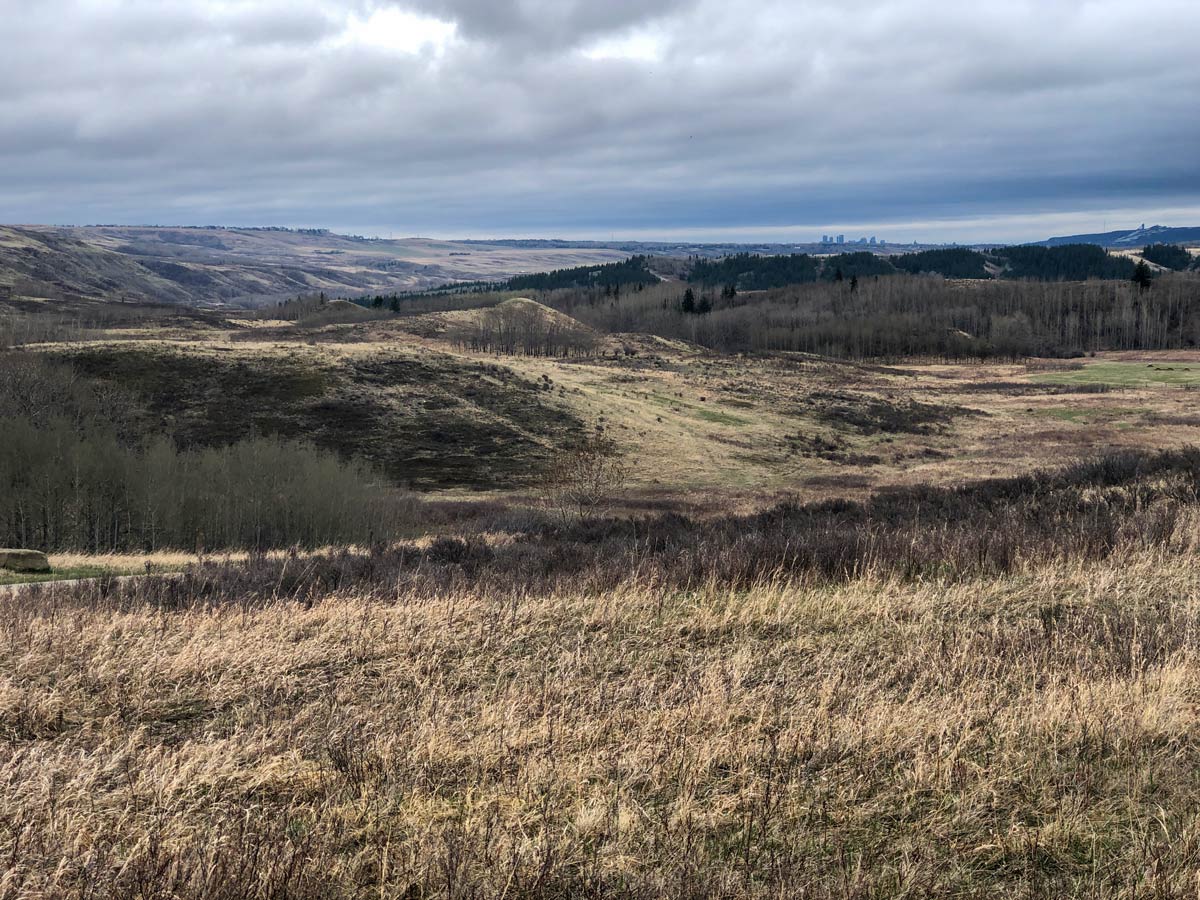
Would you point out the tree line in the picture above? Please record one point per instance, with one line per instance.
(1170, 256)
(1069, 262)
(910, 316)
(80, 471)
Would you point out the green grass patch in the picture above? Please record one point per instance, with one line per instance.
(721, 418)
(698, 412)
(1126, 374)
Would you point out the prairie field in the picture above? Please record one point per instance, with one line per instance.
(957, 692)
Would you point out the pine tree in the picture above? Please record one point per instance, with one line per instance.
(1143, 277)
(688, 304)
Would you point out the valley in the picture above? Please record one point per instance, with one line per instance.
(528, 593)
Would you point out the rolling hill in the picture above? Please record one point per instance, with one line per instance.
(249, 266)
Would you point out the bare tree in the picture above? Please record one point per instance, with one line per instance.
(585, 478)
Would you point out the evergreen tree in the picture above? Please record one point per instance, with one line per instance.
(1143, 277)
(1169, 256)
(688, 304)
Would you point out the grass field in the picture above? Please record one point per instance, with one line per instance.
(68, 566)
(1025, 734)
(60, 574)
(402, 395)
(1127, 374)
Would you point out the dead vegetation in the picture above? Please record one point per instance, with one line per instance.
(692, 717)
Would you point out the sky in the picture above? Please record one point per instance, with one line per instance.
(713, 120)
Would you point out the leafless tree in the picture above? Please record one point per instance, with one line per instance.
(586, 478)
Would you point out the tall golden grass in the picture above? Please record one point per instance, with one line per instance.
(1032, 734)
(429, 722)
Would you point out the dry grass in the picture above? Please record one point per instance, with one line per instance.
(1029, 733)
(162, 560)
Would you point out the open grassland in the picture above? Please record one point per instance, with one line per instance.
(65, 573)
(954, 693)
(403, 395)
(69, 566)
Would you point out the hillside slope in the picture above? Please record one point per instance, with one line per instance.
(1134, 237)
(424, 418)
(249, 266)
(54, 265)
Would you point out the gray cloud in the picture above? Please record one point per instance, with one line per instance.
(532, 22)
(534, 116)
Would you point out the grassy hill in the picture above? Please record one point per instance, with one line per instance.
(424, 418)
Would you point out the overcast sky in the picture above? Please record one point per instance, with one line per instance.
(720, 119)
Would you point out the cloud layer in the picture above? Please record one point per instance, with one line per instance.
(578, 117)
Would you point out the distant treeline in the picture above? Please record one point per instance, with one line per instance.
(1011, 303)
(1070, 262)
(755, 272)
(906, 316)
(1170, 256)
(633, 271)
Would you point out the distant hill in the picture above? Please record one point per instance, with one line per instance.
(250, 266)
(1137, 237)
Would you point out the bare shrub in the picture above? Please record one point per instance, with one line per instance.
(586, 478)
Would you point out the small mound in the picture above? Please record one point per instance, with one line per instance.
(651, 345)
(546, 314)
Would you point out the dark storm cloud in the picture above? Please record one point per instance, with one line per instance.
(468, 116)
